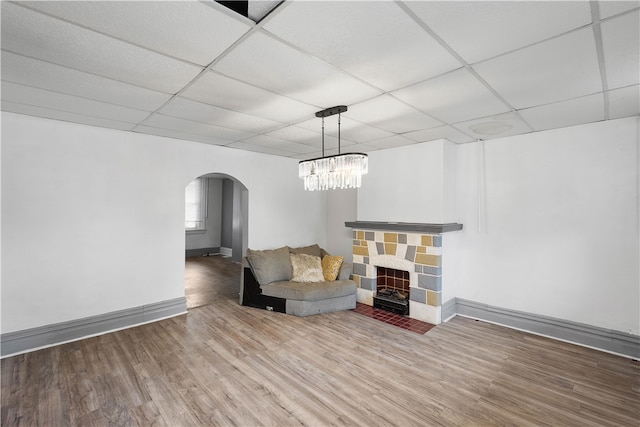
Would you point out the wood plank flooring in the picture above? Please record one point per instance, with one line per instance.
(223, 364)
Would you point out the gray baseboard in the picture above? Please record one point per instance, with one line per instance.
(448, 309)
(201, 251)
(608, 340)
(44, 336)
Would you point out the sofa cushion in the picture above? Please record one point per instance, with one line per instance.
(345, 271)
(314, 250)
(331, 267)
(309, 291)
(270, 265)
(306, 268)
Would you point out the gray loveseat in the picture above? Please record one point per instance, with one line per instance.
(265, 282)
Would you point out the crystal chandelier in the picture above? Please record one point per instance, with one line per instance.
(331, 172)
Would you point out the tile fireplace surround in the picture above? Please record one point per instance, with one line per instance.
(416, 248)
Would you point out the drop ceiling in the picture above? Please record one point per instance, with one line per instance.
(409, 72)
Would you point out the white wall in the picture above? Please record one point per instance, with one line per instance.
(93, 219)
(551, 226)
(404, 184)
(341, 207)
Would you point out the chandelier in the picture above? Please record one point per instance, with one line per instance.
(331, 172)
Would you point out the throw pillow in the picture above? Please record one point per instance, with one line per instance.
(306, 268)
(270, 265)
(331, 267)
(309, 250)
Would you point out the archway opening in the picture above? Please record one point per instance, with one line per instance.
(216, 218)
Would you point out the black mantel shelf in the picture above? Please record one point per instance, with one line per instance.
(411, 227)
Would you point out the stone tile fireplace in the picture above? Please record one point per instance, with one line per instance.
(412, 248)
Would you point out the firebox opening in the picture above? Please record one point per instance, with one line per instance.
(392, 290)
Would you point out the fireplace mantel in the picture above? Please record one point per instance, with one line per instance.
(410, 227)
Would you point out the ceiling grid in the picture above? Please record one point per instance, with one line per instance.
(410, 72)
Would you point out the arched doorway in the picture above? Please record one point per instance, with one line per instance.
(216, 218)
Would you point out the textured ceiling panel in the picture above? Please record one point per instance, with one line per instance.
(44, 75)
(386, 112)
(215, 89)
(609, 8)
(561, 68)
(35, 35)
(624, 102)
(478, 30)
(65, 116)
(288, 71)
(196, 32)
(441, 132)
(71, 104)
(370, 47)
(391, 142)
(453, 97)
(566, 113)
(198, 128)
(169, 133)
(205, 113)
(621, 42)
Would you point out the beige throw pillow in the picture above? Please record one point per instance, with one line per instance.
(306, 268)
(331, 267)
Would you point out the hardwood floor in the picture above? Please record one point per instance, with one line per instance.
(223, 364)
(208, 279)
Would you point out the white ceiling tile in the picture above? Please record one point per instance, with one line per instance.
(478, 30)
(200, 112)
(390, 142)
(366, 39)
(294, 147)
(297, 134)
(350, 129)
(621, 45)
(72, 104)
(562, 68)
(283, 144)
(452, 97)
(386, 112)
(624, 102)
(41, 37)
(360, 132)
(189, 30)
(497, 126)
(64, 116)
(609, 8)
(43, 75)
(361, 148)
(197, 128)
(215, 89)
(442, 132)
(265, 149)
(577, 111)
(181, 135)
(289, 72)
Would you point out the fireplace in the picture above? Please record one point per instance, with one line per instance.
(414, 249)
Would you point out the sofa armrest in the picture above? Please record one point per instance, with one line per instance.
(345, 271)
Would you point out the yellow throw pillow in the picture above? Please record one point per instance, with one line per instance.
(331, 267)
